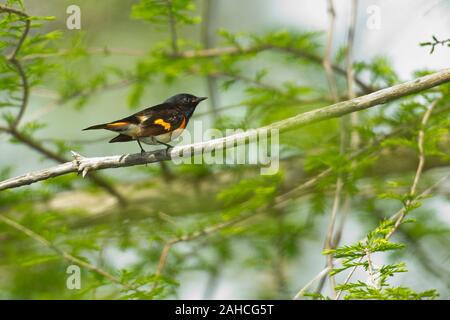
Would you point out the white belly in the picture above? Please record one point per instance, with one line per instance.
(165, 138)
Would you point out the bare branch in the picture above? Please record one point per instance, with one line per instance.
(413, 190)
(56, 157)
(435, 43)
(320, 275)
(216, 52)
(173, 27)
(354, 138)
(207, 37)
(201, 233)
(332, 85)
(327, 57)
(84, 165)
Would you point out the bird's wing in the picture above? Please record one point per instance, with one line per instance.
(153, 121)
(162, 121)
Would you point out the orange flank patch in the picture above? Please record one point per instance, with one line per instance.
(183, 124)
(118, 124)
(161, 122)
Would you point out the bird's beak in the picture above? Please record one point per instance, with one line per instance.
(199, 99)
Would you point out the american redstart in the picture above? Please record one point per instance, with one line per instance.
(159, 124)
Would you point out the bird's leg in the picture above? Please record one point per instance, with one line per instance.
(142, 149)
(166, 144)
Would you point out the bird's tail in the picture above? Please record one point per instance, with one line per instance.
(97, 126)
(121, 138)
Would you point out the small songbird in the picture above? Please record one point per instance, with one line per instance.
(159, 124)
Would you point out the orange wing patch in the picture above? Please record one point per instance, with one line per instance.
(161, 122)
(117, 124)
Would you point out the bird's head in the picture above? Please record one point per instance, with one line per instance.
(185, 100)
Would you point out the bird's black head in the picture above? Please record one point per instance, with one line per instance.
(185, 100)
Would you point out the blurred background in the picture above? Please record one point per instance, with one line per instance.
(213, 231)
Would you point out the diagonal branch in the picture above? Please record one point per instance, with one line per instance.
(65, 255)
(217, 52)
(83, 165)
(33, 144)
(413, 190)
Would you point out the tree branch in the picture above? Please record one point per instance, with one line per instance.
(83, 165)
(216, 52)
(413, 190)
(17, 65)
(56, 157)
(65, 255)
(207, 37)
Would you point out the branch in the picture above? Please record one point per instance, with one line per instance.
(320, 275)
(173, 27)
(198, 234)
(17, 65)
(207, 36)
(398, 213)
(25, 31)
(217, 52)
(67, 256)
(339, 183)
(83, 165)
(413, 190)
(435, 43)
(56, 157)
(327, 57)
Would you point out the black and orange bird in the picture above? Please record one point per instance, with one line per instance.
(159, 124)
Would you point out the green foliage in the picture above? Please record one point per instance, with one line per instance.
(214, 218)
(159, 11)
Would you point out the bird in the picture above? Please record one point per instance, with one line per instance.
(155, 125)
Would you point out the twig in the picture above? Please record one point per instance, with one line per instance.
(65, 255)
(320, 275)
(339, 182)
(413, 190)
(216, 52)
(435, 43)
(398, 213)
(24, 102)
(93, 50)
(84, 165)
(349, 276)
(173, 27)
(56, 157)
(402, 212)
(17, 65)
(198, 234)
(354, 138)
(329, 236)
(370, 270)
(327, 57)
(25, 32)
(206, 36)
